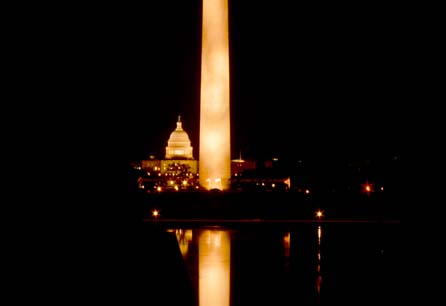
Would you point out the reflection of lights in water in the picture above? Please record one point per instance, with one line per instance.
(319, 283)
(184, 238)
(319, 276)
(214, 268)
(286, 244)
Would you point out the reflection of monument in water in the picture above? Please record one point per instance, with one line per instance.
(210, 249)
(215, 151)
(214, 261)
(221, 260)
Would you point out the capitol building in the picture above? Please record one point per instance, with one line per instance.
(178, 170)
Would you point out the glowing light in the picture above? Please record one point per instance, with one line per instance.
(319, 277)
(286, 243)
(184, 238)
(288, 182)
(367, 187)
(215, 153)
(319, 214)
(155, 213)
(214, 268)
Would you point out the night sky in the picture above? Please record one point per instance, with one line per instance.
(319, 80)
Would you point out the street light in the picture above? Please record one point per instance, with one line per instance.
(319, 214)
(367, 187)
(155, 214)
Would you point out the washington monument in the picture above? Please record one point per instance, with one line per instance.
(215, 143)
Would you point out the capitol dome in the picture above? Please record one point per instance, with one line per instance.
(178, 145)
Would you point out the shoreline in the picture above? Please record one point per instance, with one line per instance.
(270, 207)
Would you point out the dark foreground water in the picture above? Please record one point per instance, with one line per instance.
(275, 263)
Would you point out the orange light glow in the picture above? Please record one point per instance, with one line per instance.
(214, 261)
(367, 187)
(155, 213)
(286, 243)
(215, 150)
(184, 238)
(319, 214)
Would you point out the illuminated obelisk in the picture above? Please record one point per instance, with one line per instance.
(215, 143)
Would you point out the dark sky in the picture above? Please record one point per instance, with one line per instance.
(306, 80)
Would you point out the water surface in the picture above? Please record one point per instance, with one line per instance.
(291, 263)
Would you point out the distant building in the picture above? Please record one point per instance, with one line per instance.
(151, 164)
(178, 145)
(239, 165)
(179, 151)
(179, 169)
(261, 179)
